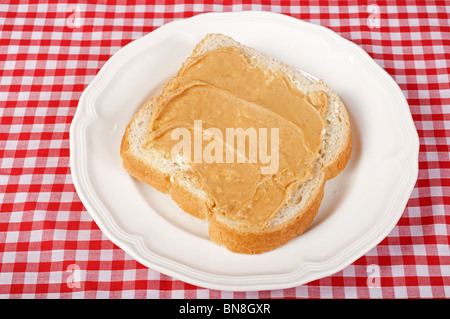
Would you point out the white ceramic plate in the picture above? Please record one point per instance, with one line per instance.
(360, 206)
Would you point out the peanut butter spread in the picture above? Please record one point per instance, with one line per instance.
(249, 135)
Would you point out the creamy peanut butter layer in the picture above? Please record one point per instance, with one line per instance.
(257, 134)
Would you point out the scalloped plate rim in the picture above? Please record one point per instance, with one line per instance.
(131, 243)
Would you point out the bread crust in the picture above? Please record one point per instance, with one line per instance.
(234, 237)
(341, 159)
(154, 177)
(256, 241)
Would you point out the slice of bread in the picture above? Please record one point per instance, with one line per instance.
(169, 175)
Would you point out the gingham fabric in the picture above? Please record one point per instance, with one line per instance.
(50, 247)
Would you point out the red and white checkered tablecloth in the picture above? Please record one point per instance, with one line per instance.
(50, 52)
